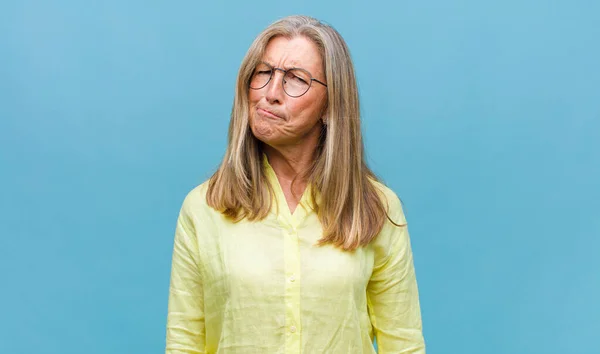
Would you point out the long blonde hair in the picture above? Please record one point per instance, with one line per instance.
(351, 208)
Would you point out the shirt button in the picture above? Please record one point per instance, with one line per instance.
(292, 278)
(293, 329)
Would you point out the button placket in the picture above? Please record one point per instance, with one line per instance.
(292, 288)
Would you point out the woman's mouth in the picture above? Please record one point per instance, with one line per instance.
(267, 113)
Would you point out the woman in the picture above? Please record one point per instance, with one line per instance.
(293, 246)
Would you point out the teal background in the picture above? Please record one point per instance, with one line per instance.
(483, 116)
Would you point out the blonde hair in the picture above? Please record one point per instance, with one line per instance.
(351, 208)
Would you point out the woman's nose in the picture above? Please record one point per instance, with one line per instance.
(275, 87)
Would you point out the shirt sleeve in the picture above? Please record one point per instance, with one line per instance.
(392, 293)
(185, 319)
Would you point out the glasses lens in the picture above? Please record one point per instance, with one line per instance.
(296, 82)
(261, 76)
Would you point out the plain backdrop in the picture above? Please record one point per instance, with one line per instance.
(483, 116)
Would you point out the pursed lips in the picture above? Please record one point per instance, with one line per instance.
(268, 113)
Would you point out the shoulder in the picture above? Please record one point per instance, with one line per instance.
(194, 204)
(391, 202)
(393, 237)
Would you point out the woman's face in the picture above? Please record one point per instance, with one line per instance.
(280, 120)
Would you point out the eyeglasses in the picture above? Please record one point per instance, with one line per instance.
(296, 81)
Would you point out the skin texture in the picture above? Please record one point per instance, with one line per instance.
(289, 127)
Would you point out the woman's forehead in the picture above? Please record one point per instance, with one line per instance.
(293, 52)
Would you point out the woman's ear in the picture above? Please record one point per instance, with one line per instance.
(324, 114)
(324, 117)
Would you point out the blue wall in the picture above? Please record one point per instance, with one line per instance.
(483, 116)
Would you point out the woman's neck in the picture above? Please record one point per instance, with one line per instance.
(291, 165)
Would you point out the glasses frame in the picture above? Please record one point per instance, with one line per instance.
(284, 71)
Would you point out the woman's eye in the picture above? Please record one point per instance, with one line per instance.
(299, 79)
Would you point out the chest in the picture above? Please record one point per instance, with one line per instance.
(263, 258)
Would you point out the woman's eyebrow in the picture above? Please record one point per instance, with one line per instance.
(291, 65)
(288, 67)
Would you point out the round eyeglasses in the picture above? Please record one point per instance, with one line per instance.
(296, 81)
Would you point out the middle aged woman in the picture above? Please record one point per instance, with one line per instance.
(293, 246)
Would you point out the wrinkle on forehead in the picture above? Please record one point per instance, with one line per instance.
(295, 52)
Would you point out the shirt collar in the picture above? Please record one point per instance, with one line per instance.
(278, 191)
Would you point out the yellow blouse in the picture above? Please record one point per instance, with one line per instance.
(264, 287)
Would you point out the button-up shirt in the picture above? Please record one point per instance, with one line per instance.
(265, 287)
